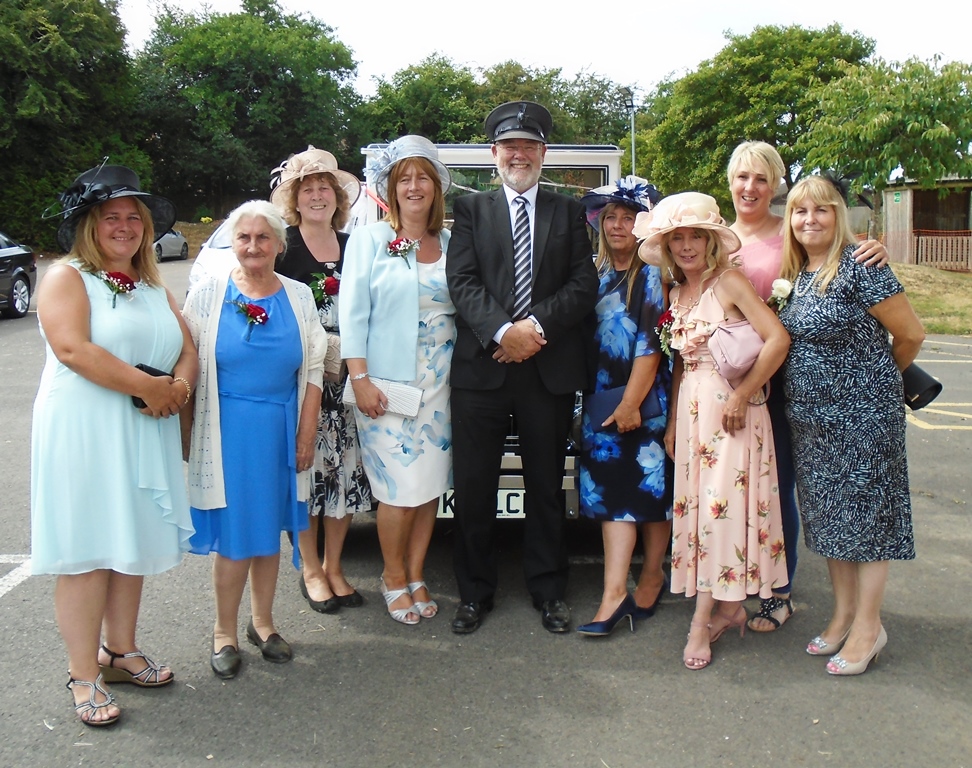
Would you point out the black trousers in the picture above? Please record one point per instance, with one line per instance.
(480, 422)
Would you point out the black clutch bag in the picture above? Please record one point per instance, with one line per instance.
(919, 387)
(600, 405)
(136, 400)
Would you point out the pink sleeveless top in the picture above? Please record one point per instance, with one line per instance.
(761, 262)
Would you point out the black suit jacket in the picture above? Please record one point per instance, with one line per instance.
(480, 273)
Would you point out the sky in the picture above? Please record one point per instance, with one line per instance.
(636, 44)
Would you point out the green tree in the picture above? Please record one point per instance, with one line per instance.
(228, 96)
(434, 98)
(66, 101)
(587, 109)
(759, 87)
(879, 118)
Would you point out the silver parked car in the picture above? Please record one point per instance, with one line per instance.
(172, 245)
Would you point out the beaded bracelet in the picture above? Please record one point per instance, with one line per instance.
(359, 377)
(188, 389)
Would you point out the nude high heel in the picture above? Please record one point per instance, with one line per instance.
(820, 647)
(840, 666)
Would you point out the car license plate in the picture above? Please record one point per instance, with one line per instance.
(509, 504)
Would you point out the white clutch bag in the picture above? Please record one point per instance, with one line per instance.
(403, 399)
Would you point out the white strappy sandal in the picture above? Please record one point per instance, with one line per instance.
(423, 605)
(400, 614)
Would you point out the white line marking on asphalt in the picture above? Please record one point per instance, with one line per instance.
(925, 425)
(17, 575)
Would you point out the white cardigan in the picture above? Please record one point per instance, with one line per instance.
(204, 304)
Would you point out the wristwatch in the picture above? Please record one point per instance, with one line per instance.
(537, 327)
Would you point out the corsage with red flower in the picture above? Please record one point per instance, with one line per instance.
(254, 314)
(401, 248)
(117, 282)
(324, 287)
(664, 331)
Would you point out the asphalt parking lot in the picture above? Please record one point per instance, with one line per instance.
(365, 691)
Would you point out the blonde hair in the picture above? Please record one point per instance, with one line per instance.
(818, 191)
(87, 250)
(715, 259)
(436, 212)
(604, 261)
(760, 157)
(288, 206)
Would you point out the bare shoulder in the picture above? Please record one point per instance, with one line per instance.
(735, 283)
(60, 280)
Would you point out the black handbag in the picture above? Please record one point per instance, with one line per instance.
(919, 387)
(136, 400)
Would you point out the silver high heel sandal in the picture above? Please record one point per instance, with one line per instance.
(399, 614)
(423, 605)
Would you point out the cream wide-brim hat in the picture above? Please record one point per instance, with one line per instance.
(686, 209)
(308, 163)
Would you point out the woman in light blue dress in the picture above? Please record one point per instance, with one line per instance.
(253, 427)
(108, 499)
(397, 323)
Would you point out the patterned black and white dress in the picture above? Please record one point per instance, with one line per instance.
(340, 486)
(845, 404)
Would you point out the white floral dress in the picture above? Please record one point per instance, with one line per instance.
(409, 461)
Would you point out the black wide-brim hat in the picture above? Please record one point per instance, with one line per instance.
(519, 120)
(101, 184)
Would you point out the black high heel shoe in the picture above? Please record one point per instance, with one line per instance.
(604, 628)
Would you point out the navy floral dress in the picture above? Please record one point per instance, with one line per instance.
(627, 477)
(845, 404)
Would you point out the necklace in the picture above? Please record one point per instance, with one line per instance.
(803, 286)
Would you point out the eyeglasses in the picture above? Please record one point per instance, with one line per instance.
(519, 147)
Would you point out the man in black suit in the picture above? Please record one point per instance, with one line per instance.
(522, 278)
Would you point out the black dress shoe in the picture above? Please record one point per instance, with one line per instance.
(554, 615)
(468, 616)
(274, 648)
(226, 662)
(330, 605)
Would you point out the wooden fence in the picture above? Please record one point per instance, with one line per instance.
(951, 251)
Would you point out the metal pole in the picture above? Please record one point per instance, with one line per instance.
(630, 105)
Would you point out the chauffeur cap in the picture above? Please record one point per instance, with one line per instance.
(519, 120)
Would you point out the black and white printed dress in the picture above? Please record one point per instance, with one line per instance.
(340, 486)
(845, 404)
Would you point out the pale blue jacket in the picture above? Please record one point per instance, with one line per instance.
(378, 310)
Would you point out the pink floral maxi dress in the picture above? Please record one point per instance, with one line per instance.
(727, 535)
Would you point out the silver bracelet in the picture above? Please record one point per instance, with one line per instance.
(359, 377)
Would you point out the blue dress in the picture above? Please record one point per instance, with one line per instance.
(845, 403)
(627, 476)
(107, 487)
(256, 368)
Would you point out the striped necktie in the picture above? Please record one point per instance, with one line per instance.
(522, 261)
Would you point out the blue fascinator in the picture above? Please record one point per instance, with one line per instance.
(632, 192)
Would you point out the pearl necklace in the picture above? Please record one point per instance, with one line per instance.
(802, 287)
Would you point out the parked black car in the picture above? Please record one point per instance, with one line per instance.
(17, 275)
